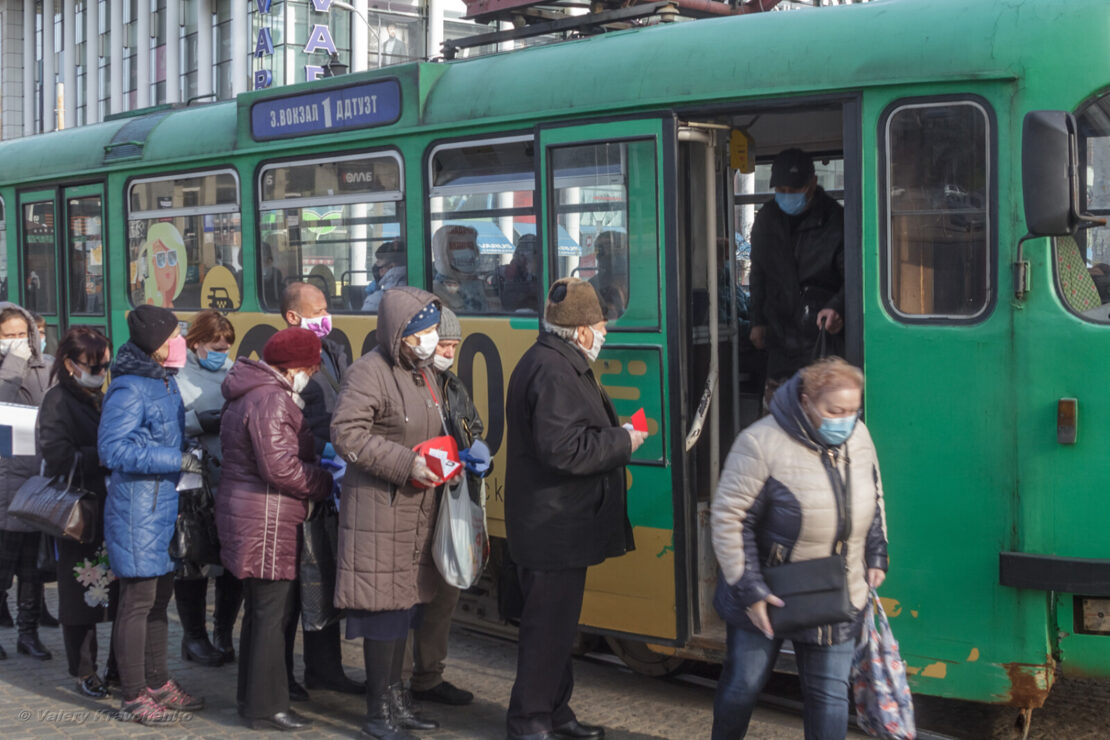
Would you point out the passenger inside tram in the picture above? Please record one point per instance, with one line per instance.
(388, 271)
(516, 281)
(456, 259)
(611, 278)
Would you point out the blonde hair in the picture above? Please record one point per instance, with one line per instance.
(830, 374)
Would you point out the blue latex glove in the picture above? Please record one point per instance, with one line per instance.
(336, 466)
(476, 458)
(329, 451)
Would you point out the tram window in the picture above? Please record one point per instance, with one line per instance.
(1083, 263)
(39, 263)
(185, 241)
(3, 253)
(86, 266)
(483, 225)
(337, 223)
(596, 203)
(938, 219)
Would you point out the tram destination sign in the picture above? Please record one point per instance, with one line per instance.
(338, 109)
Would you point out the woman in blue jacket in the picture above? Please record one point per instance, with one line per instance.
(140, 440)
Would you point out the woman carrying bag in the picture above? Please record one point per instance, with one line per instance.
(88, 591)
(800, 490)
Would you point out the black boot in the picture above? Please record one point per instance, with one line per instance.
(3, 654)
(229, 597)
(378, 655)
(5, 615)
(404, 713)
(27, 621)
(46, 619)
(189, 595)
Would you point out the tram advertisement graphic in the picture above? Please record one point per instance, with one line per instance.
(358, 106)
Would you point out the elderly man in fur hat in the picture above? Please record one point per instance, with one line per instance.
(565, 505)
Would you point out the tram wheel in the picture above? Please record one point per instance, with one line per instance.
(642, 659)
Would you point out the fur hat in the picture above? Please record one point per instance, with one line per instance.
(449, 326)
(292, 347)
(150, 327)
(572, 302)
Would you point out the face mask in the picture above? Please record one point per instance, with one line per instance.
(213, 360)
(299, 381)
(7, 345)
(376, 273)
(791, 203)
(320, 326)
(595, 349)
(836, 431)
(427, 346)
(176, 356)
(42, 344)
(464, 261)
(88, 380)
(443, 364)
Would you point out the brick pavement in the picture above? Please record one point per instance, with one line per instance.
(37, 699)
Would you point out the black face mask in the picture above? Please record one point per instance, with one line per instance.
(376, 272)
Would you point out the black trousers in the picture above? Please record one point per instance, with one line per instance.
(141, 632)
(323, 655)
(81, 649)
(540, 700)
(267, 610)
(19, 555)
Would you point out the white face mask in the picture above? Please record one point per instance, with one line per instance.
(427, 346)
(299, 381)
(7, 345)
(88, 380)
(443, 364)
(595, 348)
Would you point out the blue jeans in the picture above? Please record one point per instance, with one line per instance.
(823, 670)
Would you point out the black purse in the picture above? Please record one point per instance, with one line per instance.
(317, 566)
(56, 507)
(195, 542)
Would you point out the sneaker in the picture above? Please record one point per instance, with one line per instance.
(445, 693)
(171, 696)
(146, 711)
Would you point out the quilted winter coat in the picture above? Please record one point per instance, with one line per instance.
(269, 474)
(385, 524)
(23, 382)
(142, 429)
(775, 504)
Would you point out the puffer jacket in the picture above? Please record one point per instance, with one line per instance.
(385, 524)
(24, 382)
(269, 474)
(775, 503)
(141, 435)
(200, 391)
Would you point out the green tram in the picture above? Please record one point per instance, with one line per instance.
(615, 155)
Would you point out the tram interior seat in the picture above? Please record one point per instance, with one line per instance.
(1076, 284)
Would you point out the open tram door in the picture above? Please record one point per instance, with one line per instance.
(62, 258)
(605, 190)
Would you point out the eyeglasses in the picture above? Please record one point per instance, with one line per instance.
(161, 259)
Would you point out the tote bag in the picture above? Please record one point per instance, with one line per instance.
(460, 542)
(884, 705)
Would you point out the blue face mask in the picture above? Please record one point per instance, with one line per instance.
(791, 203)
(836, 431)
(213, 360)
(42, 344)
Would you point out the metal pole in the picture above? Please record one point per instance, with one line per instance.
(204, 48)
(173, 50)
(92, 61)
(49, 114)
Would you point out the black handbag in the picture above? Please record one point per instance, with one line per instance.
(317, 568)
(56, 507)
(195, 542)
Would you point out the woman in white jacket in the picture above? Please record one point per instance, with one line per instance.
(775, 504)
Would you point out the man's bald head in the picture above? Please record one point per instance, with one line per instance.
(302, 300)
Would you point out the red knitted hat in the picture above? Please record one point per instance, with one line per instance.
(292, 347)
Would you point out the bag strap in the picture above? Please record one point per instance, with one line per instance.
(842, 493)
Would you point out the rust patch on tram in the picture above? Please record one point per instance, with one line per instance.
(1029, 684)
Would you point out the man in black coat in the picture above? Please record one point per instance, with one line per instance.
(306, 306)
(797, 279)
(565, 504)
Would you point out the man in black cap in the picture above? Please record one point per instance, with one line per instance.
(797, 278)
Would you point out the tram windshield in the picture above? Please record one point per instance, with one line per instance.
(1083, 263)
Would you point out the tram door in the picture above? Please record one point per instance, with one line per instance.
(603, 219)
(62, 257)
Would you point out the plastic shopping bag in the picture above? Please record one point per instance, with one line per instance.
(884, 706)
(460, 542)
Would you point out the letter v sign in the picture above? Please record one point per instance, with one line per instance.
(321, 6)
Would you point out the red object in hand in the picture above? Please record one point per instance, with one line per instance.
(447, 465)
(639, 421)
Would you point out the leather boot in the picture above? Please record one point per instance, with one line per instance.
(378, 656)
(229, 597)
(3, 654)
(27, 621)
(46, 619)
(189, 595)
(404, 713)
(5, 615)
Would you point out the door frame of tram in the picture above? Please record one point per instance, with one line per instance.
(63, 204)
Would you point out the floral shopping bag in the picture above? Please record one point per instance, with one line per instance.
(884, 706)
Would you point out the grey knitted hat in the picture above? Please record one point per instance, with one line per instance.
(449, 326)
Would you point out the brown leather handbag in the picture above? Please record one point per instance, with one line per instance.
(56, 507)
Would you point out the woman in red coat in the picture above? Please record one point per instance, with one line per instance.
(270, 476)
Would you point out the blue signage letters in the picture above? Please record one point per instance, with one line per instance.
(358, 106)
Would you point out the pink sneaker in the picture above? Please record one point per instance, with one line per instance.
(146, 711)
(171, 696)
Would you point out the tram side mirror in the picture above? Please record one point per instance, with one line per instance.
(1050, 174)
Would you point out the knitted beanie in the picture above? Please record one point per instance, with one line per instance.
(292, 347)
(449, 326)
(572, 302)
(150, 327)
